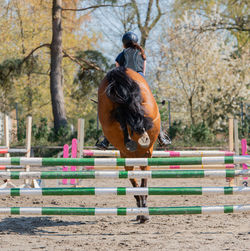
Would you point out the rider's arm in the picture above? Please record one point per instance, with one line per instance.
(119, 60)
(144, 67)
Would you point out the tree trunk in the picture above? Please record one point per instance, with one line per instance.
(190, 101)
(56, 83)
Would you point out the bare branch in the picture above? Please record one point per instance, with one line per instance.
(137, 15)
(91, 65)
(157, 17)
(96, 7)
(37, 48)
(150, 3)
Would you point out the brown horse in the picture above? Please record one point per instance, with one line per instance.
(130, 119)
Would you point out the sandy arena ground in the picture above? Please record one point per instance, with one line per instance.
(189, 232)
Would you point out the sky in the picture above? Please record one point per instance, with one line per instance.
(105, 21)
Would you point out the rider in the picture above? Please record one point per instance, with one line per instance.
(133, 57)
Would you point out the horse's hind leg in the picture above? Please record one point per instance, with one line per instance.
(134, 184)
(130, 144)
(143, 198)
(144, 183)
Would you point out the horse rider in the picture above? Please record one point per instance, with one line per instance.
(133, 57)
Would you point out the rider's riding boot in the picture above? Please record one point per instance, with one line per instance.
(103, 145)
(163, 139)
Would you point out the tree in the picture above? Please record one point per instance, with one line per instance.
(20, 31)
(231, 15)
(150, 20)
(56, 77)
(88, 77)
(204, 72)
(24, 70)
(133, 15)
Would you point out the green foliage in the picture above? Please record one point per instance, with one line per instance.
(21, 130)
(92, 134)
(60, 136)
(163, 109)
(14, 67)
(198, 132)
(88, 76)
(9, 69)
(41, 131)
(192, 135)
(42, 134)
(244, 129)
(175, 129)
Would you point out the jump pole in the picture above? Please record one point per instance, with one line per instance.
(80, 137)
(115, 153)
(125, 162)
(193, 167)
(73, 155)
(8, 168)
(169, 174)
(236, 146)
(65, 155)
(244, 152)
(176, 167)
(80, 143)
(65, 191)
(28, 147)
(231, 144)
(12, 150)
(125, 211)
(6, 134)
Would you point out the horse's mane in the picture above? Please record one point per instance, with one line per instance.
(125, 92)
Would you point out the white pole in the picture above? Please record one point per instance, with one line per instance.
(80, 138)
(236, 146)
(6, 134)
(7, 145)
(28, 144)
(80, 141)
(231, 144)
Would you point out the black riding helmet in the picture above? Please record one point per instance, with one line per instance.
(129, 37)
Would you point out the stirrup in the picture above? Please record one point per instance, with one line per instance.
(163, 139)
(103, 145)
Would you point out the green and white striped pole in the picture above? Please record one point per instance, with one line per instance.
(124, 211)
(123, 191)
(126, 174)
(124, 162)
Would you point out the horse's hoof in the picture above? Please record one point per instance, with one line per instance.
(245, 183)
(142, 218)
(131, 146)
(144, 140)
(138, 218)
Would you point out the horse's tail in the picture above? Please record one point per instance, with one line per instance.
(126, 92)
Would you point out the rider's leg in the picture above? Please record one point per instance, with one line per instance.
(103, 145)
